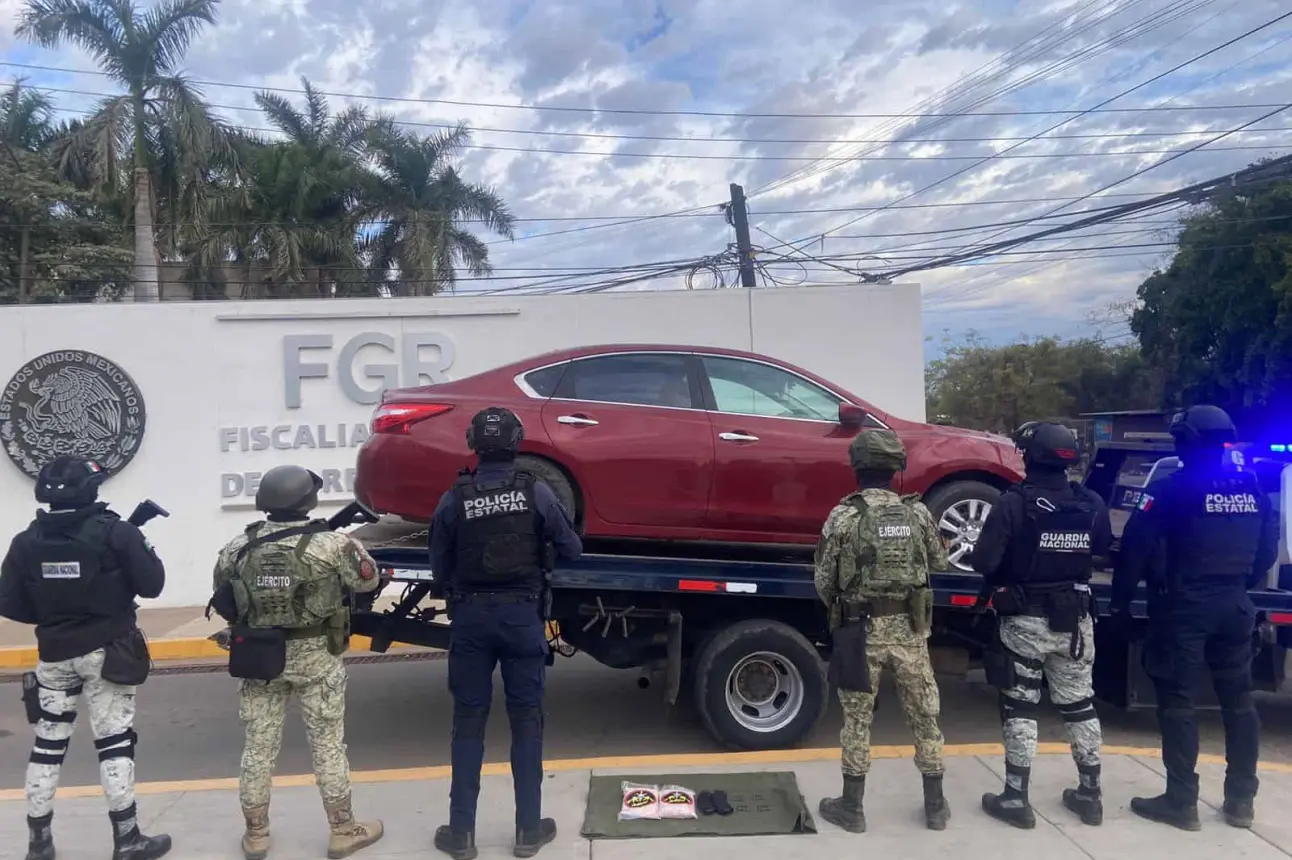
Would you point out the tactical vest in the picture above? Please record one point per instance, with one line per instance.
(74, 575)
(898, 564)
(499, 545)
(1054, 546)
(1213, 527)
(281, 586)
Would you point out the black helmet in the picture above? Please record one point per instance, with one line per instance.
(1202, 426)
(288, 489)
(69, 482)
(495, 430)
(1047, 445)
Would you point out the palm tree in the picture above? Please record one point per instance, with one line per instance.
(161, 118)
(25, 126)
(421, 203)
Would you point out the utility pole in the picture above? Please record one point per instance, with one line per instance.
(738, 217)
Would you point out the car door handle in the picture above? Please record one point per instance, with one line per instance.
(576, 419)
(737, 437)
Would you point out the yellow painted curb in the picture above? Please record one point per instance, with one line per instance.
(25, 656)
(772, 757)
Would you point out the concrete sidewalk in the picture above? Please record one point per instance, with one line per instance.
(204, 820)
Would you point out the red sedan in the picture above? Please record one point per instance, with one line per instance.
(677, 443)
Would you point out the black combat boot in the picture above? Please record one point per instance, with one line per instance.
(1086, 800)
(135, 846)
(846, 811)
(1011, 805)
(1238, 813)
(460, 845)
(40, 841)
(528, 842)
(1163, 811)
(936, 808)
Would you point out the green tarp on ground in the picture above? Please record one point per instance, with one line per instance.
(766, 804)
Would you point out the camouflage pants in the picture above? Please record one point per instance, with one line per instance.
(1038, 653)
(918, 692)
(319, 679)
(112, 715)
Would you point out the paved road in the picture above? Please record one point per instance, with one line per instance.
(400, 714)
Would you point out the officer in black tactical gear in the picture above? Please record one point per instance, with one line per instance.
(488, 545)
(1200, 537)
(1036, 555)
(75, 573)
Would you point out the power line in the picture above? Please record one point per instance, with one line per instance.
(1014, 86)
(687, 156)
(665, 138)
(658, 112)
(1098, 107)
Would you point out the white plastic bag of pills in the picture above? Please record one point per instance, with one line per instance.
(640, 801)
(676, 801)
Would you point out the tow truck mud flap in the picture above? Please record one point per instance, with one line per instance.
(674, 674)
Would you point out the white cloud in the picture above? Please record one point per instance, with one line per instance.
(826, 57)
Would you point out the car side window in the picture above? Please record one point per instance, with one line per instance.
(638, 380)
(545, 380)
(751, 388)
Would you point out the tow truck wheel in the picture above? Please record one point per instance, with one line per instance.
(760, 684)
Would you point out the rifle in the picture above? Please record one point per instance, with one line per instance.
(145, 511)
(355, 512)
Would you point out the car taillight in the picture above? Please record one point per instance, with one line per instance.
(397, 418)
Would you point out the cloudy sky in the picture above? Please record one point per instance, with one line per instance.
(663, 103)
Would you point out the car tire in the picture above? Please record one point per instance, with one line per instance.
(550, 473)
(949, 495)
(760, 645)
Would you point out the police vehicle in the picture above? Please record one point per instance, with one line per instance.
(744, 636)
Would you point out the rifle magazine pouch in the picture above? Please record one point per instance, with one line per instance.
(920, 606)
(126, 659)
(224, 603)
(998, 666)
(338, 633)
(849, 669)
(257, 653)
(31, 697)
(1064, 609)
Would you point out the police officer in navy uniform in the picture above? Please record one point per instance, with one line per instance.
(1036, 554)
(75, 573)
(1200, 537)
(488, 544)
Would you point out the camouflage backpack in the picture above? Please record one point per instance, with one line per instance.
(278, 585)
(890, 554)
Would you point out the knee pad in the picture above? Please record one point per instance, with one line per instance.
(120, 745)
(1016, 709)
(469, 723)
(1078, 711)
(47, 751)
(526, 721)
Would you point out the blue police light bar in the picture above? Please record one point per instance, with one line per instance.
(1280, 449)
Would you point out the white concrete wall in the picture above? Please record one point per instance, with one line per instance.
(211, 372)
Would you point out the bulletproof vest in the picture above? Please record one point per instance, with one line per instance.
(281, 585)
(1054, 546)
(1213, 527)
(73, 574)
(889, 549)
(499, 545)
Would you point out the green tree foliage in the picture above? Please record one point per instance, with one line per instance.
(332, 205)
(1218, 319)
(997, 388)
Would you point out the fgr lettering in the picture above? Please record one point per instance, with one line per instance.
(511, 502)
(1232, 503)
(894, 531)
(410, 371)
(1065, 541)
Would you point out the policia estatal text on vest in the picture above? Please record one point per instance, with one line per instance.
(75, 573)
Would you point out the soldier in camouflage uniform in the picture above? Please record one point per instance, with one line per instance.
(1036, 555)
(289, 573)
(75, 573)
(872, 569)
